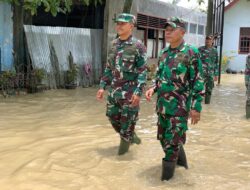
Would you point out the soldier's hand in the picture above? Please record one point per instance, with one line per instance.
(149, 94)
(215, 78)
(135, 100)
(99, 94)
(195, 117)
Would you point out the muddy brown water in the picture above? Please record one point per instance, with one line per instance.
(61, 140)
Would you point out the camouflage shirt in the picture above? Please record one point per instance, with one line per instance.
(247, 73)
(209, 58)
(178, 83)
(126, 70)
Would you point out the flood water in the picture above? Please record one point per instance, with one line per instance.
(62, 140)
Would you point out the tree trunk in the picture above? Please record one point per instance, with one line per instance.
(20, 17)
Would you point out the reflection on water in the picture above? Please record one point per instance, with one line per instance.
(61, 140)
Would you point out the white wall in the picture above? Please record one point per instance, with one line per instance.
(165, 10)
(236, 17)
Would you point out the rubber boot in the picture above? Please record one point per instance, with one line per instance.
(124, 146)
(207, 99)
(136, 139)
(168, 169)
(182, 159)
(247, 109)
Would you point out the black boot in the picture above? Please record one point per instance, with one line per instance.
(124, 146)
(136, 139)
(207, 99)
(168, 168)
(182, 159)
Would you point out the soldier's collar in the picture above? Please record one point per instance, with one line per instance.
(181, 47)
(128, 41)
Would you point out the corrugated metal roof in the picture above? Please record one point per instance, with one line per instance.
(84, 45)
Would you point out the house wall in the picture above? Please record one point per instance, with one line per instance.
(165, 10)
(153, 8)
(6, 37)
(235, 17)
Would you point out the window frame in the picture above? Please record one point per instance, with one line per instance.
(242, 35)
(203, 29)
(190, 25)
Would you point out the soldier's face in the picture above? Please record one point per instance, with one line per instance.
(123, 28)
(209, 42)
(174, 35)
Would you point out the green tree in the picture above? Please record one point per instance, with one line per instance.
(23, 10)
(52, 6)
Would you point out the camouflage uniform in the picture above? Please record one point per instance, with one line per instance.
(126, 73)
(247, 83)
(209, 58)
(179, 87)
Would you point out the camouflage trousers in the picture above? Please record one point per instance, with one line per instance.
(209, 85)
(122, 117)
(172, 134)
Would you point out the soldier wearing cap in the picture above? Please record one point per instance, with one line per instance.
(209, 58)
(179, 88)
(247, 83)
(125, 74)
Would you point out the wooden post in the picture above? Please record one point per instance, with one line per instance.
(146, 37)
(164, 39)
(127, 6)
(157, 43)
(209, 17)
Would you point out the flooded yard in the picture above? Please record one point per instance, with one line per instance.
(62, 140)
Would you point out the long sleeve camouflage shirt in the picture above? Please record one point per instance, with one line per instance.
(179, 83)
(126, 70)
(209, 59)
(247, 74)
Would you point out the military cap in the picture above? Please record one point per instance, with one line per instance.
(176, 22)
(125, 17)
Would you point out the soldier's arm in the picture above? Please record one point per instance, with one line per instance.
(106, 78)
(216, 66)
(197, 84)
(158, 70)
(247, 74)
(141, 64)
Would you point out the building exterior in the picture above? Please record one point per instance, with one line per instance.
(236, 41)
(151, 16)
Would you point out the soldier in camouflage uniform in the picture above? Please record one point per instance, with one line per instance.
(247, 82)
(125, 73)
(179, 88)
(209, 58)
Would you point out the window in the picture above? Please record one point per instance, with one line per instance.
(201, 29)
(152, 49)
(147, 21)
(244, 44)
(154, 37)
(193, 28)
